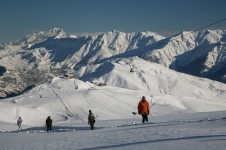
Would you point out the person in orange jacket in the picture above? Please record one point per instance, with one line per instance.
(143, 109)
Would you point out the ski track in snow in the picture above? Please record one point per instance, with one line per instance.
(67, 110)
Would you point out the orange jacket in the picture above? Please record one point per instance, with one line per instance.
(143, 107)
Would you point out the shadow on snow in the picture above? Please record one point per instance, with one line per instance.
(159, 140)
(54, 129)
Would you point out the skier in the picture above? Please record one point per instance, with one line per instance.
(143, 109)
(19, 123)
(49, 124)
(91, 120)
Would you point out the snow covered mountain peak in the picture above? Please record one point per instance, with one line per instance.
(41, 36)
(115, 31)
(197, 53)
(56, 30)
(58, 33)
(149, 33)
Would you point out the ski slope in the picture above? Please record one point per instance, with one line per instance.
(188, 111)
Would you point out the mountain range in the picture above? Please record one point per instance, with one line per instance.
(44, 55)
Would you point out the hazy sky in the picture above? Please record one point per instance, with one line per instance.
(166, 17)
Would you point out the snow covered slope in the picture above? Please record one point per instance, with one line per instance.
(188, 110)
(199, 131)
(172, 92)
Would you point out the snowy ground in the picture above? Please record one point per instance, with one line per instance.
(189, 112)
(203, 131)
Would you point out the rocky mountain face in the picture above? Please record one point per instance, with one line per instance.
(43, 55)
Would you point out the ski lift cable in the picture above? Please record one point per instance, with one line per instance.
(193, 52)
(191, 15)
(172, 38)
(211, 24)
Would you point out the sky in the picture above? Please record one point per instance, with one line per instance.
(166, 17)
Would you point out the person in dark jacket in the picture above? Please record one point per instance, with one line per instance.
(49, 122)
(91, 120)
(143, 109)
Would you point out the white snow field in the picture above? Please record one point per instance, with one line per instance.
(189, 112)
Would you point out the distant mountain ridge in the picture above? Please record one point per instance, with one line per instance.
(200, 53)
(197, 53)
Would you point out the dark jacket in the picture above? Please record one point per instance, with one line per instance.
(49, 121)
(91, 118)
